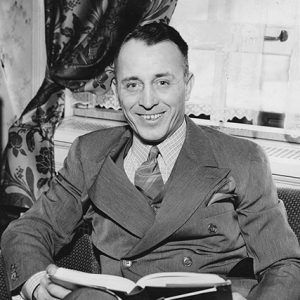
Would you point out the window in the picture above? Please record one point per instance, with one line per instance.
(246, 59)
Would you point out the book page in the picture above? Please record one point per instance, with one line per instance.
(180, 279)
(72, 279)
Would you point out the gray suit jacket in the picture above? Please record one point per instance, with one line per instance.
(220, 206)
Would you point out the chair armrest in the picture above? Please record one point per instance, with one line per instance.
(4, 289)
(291, 200)
(79, 254)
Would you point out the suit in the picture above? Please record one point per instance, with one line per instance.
(220, 206)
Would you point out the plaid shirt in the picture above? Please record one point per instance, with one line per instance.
(169, 151)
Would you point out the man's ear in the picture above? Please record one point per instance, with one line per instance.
(114, 86)
(189, 85)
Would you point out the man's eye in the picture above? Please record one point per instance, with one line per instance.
(162, 83)
(132, 86)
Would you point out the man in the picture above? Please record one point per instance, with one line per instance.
(203, 201)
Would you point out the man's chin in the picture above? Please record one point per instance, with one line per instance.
(151, 138)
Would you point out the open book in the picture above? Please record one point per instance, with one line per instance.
(176, 283)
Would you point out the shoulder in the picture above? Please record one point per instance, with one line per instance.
(231, 148)
(248, 164)
(108, 134)
(216, 136)
(94, 143)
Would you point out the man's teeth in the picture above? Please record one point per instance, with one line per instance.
(151, 117)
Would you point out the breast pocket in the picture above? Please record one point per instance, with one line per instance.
(214, 228)
(217, 208)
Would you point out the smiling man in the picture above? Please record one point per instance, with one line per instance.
(153, 83)
(163, 194)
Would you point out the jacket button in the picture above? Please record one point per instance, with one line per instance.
(13, 272)
(212, 228)
(187, 261)
(13, 276)
(127, 263)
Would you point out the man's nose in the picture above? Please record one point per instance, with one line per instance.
(148, 98)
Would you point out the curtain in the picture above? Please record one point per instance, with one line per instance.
(81, 39)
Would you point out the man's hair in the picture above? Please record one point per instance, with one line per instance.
(154, 33)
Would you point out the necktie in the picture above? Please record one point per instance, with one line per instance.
(148, 179)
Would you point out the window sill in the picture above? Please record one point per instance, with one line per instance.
(252, 131)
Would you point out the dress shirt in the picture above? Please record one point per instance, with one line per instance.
(169, 150)
(31, 284)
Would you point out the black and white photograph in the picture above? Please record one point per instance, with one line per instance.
(150, 149)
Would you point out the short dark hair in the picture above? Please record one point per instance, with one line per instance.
(154, 33)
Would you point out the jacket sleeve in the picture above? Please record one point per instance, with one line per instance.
(269, 239)
(29, 244)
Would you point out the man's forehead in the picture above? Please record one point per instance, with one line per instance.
(153, 76)
(136, 55)
(134, 45)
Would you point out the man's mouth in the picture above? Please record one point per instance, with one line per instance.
(151, 117)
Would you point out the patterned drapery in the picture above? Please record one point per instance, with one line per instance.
(81, 39)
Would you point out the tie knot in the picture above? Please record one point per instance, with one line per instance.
(153, 153)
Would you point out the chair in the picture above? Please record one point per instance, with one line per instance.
(4, 291)
(79, 254)
(291, 200)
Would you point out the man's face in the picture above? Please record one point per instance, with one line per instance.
(152, 88)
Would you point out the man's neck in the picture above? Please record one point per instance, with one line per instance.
(137, 140)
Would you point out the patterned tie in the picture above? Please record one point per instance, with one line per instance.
(148, 179)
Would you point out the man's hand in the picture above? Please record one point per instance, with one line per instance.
(237, 296)
(47, 290)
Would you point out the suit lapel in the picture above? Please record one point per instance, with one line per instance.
(115, 195)
(193, 180)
